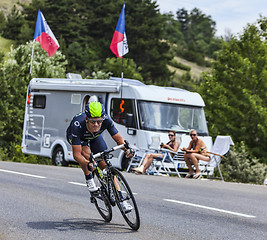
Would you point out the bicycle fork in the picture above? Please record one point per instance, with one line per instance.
(110, 192)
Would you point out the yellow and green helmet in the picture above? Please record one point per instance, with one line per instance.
(94, 109)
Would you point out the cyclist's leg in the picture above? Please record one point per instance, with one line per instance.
(86, 154)
(99, 145)
(85, 151)
(87, 167)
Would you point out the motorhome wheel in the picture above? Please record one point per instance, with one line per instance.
(58, 157)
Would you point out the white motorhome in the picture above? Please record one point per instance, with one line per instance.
(139, 112)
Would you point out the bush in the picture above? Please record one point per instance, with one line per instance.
(241, 167)
(16, 155)
(3, 154)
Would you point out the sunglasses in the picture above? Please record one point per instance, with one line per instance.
(193, 135)
(95, 121)
(170, 135)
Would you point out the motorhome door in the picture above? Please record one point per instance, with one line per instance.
(35, 122)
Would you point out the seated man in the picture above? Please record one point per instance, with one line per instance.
(172, 145)
(197, 150)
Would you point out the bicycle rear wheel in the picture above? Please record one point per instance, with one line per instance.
(120, 184)
(100, 199)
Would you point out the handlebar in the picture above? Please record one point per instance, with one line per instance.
(106, 152)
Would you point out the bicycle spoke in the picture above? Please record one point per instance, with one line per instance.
(100, 199)
(122, 193)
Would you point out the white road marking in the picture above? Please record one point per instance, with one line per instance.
(76, 183)
(83, 184)
(20, 173)
(210, 208)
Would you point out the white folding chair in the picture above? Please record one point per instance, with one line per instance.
(155, 143)
(140, 153)
(167, 164)
(137, 159)
(218, 151)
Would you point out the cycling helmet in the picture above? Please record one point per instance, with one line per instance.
(94, 109)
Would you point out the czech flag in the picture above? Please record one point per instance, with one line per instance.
(119, 44)
(45, 36)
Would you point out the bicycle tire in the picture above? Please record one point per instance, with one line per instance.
(101, 200)
(132, 218)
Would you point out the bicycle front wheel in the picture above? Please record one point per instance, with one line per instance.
(100, 199)
(123, 193)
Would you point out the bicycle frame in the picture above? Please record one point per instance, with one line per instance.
(114, 189)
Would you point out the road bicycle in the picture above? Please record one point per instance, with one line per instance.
(113, 190)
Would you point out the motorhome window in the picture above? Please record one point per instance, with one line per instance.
(119, 109)
(159, 116)
(39, 101)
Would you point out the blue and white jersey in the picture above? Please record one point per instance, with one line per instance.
(77, 132)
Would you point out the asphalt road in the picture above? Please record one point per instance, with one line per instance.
(47, 202)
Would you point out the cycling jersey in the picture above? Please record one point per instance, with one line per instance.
(78, 134)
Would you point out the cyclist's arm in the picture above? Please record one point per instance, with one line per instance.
(114, 133)
(119, 140)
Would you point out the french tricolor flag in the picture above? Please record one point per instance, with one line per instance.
(119, 44)
(45, 36)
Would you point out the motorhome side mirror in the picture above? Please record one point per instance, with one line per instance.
(129, 120)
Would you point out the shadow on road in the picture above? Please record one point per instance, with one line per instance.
(94, 225)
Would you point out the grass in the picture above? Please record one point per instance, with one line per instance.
(195, 71)
(5, 45)
(179, 79)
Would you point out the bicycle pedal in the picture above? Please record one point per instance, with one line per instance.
(99, 197)
(95, 193)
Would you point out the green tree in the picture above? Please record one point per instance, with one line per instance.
(130, 69)
(182, 17)
(90, 25)
(172, 30)
(235, 91)
(199, 34)
(13, 24)
(144, 35)
(14, 79)
(2, 22)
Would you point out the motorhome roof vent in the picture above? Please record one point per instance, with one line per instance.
(73, 76)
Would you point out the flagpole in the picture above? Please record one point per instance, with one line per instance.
(32, 56)
(121, 76)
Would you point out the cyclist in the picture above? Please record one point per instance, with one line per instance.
(84, 134)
